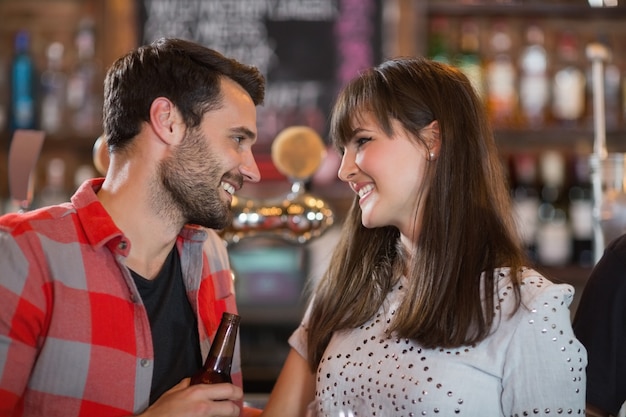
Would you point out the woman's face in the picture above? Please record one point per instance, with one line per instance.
(386, 172)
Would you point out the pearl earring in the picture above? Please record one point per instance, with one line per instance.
(432, 156)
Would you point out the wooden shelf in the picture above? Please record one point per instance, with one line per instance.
(556, 138)
(518, 9)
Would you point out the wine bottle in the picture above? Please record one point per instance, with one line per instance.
(526, 200)
(581, 211)
(554, 236)
(217, 366)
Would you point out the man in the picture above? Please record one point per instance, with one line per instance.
(600, 324)
(109, 301)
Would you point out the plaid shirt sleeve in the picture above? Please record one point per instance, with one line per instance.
(75, 339)
(21, 322)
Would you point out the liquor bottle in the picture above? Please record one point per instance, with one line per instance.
(501, 79)
(4, 92)
(569, 83)
(581, 211)
(619, 55)
(438, 47)
(469, 60)
(82, 174)
(554, 236)
(23, 100)
(612, 83)
(526, 200)
(217, 366)
(82, 97)
(53, 86)
(534, 84)
(54, 190)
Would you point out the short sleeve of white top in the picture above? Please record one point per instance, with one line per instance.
(531, 364)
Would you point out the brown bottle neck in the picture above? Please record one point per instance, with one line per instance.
(219, 361)
(220, 364)
(223, 346)
(224, 341)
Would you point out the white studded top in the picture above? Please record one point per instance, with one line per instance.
(530, 365)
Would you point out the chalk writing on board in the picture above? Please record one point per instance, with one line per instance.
(305, 48)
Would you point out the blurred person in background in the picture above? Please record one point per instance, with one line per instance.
(600, 324)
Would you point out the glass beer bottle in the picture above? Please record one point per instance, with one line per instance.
(217, 366)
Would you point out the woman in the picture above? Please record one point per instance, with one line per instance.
(426, 307)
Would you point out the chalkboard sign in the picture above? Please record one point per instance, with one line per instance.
(305, 48)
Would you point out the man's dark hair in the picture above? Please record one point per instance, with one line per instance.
(185, 72)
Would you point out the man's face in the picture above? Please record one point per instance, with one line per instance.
(214, 160)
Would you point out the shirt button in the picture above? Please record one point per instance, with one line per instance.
(145, 363)
(122, 245)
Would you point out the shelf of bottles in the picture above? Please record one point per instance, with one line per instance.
(51, 80)
(528, 62)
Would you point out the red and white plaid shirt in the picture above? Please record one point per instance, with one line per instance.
(75, 338)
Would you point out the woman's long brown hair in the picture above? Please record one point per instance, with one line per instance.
(466, 230)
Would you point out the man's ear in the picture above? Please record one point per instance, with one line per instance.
(432, 135)
(166, 121)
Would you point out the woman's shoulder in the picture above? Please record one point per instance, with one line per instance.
(535, 289)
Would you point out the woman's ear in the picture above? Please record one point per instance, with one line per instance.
(166, 121)
(432, 136)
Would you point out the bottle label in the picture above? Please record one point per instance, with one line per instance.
(554, 244)
(24, 114)
(569, 94)
(581, 213)
(527, 220)
(534, 94)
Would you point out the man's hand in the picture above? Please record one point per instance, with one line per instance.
(201, 400)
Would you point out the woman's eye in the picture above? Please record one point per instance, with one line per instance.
(362, 141)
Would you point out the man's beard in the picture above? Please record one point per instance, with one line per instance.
(192, 176)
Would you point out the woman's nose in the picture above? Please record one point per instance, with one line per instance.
(348, 167)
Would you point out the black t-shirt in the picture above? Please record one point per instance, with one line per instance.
(174, 326)
(600, 325)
